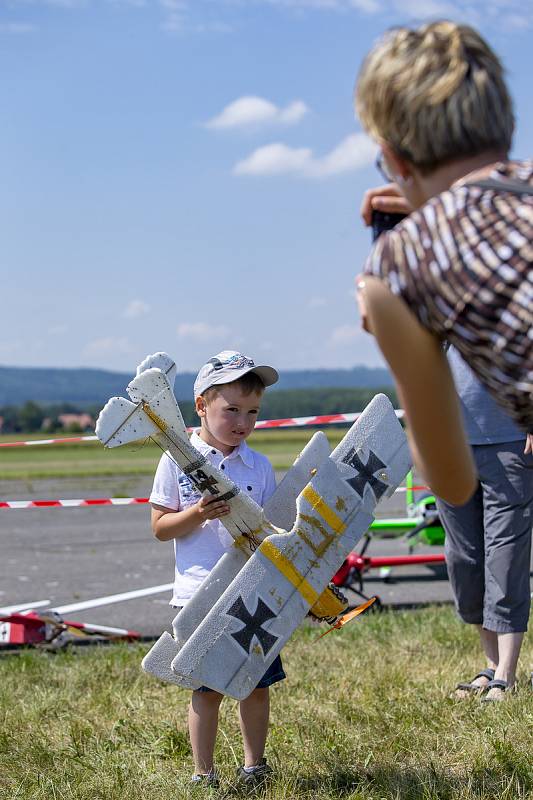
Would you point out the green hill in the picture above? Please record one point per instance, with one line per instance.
(86, 387)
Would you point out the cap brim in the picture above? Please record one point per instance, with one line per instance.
(267, 374)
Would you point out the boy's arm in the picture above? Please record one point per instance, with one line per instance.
(168, 524)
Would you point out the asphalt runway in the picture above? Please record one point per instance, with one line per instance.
(71, 555)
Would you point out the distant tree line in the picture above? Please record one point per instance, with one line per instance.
(32, 417)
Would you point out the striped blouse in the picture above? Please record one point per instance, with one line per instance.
(463, 263)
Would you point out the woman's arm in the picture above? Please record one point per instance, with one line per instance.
(426, 390)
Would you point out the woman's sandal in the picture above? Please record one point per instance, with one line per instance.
(501, 687)
(466, 688)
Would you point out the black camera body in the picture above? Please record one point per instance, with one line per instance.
(384, 221)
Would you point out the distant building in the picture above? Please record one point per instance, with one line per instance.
(83, 421)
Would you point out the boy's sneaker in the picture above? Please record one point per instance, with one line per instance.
(209, 780)
(254, 776)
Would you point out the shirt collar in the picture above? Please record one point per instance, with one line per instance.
(245, 452)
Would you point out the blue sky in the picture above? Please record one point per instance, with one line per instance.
(185, 175)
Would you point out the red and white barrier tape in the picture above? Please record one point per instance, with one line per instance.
(112, 501)
(101, 501)
(50, 441)
(289, 422)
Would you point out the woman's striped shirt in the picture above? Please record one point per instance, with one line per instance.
(463, 263)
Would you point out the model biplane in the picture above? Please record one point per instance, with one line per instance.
(272, 576)
(48, 628)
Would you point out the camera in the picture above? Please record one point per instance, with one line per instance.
(384, 221)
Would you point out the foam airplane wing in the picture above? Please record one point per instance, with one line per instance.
(251, 622)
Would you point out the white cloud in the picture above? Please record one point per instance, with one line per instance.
(178, 19)
(67, 3)
(135, 309)
(9, 348)
(134, 3)
(201, 331)
(316, 302)
(517, 22)
(422, 9)
(175, 20)
(354, 152)
(417, 9)
(275, 159)
(252, 111)
(58, 330)
(16, 28)
(367, 6)
(174, 5)
(107, 345)
(344, 334)
(179, 14)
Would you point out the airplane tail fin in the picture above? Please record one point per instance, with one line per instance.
(121, 421)
(161, 361)
(151, 387)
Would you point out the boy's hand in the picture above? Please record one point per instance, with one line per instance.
(386, 198)
(208, 508)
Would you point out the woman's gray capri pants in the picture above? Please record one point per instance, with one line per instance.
(488, 540)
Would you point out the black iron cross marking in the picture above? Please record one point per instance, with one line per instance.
(202, 482)
(253, 625)
(366, 473)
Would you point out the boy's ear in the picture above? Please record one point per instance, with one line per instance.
(200, 406)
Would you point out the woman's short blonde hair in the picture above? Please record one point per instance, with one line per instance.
(435, 94)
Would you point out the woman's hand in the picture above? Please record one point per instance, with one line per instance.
(529, 443)
(384, 198)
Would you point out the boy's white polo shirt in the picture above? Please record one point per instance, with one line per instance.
(197, 553)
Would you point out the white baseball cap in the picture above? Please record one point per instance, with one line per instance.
(228, 366)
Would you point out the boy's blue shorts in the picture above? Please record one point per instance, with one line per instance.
(274, 674)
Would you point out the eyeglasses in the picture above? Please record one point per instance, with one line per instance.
(383, 169)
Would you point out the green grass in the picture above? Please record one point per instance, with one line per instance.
(90, 458)
(365, 714)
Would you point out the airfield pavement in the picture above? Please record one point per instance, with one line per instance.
(71, 555)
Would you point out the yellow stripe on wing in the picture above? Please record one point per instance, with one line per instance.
(284, 565)
(325, 511)
(289, 571)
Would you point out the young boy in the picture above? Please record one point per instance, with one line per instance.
(227, 394)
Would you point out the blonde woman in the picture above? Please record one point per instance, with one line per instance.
(458, 268)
